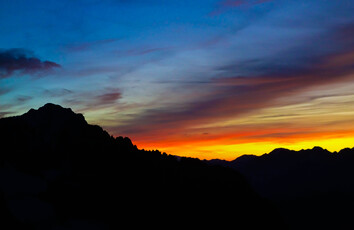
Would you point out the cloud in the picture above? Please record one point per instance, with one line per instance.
(89, 100)
(6, 110)
(23, 99)
(4, 114)
(57, 92)
(22, 61)
(232, 97)
(109, 98)
(344, 34)
(264, 82)
(4, 91)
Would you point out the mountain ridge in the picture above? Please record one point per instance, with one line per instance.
(52, 109)
(284, 161)
(68, 172)
(276, 151)
(307, 185)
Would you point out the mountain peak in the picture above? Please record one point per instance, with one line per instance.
(319, 149)
(51, 106)
(55, 113)
(279, 151)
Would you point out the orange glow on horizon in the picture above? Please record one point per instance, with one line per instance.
(228, 150)
(231, 152)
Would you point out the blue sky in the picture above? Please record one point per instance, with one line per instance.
(133, 65)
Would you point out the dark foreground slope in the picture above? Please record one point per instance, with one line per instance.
(58, 172)
(313, 188)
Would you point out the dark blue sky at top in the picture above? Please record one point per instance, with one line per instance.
(48, 27)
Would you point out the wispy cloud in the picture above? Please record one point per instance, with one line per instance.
(84, 46)
(4, 114)
(87, 101)
(57, 92)
(4, 91)
(110, 97)
(23, 99)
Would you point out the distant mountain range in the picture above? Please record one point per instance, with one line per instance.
(283, 173)
(313, 188)
(58, 172)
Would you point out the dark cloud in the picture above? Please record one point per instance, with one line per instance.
(6, 110)
(4, 114)
(91, 100)
(109, 98)
(22, 99)
(22, 61)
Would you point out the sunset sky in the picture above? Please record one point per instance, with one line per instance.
(201, 78)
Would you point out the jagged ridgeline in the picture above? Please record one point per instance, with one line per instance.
(58, 172)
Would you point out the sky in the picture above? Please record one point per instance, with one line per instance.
(203, 78)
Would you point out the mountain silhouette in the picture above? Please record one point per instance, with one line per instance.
(313, 188)
(59, 172)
